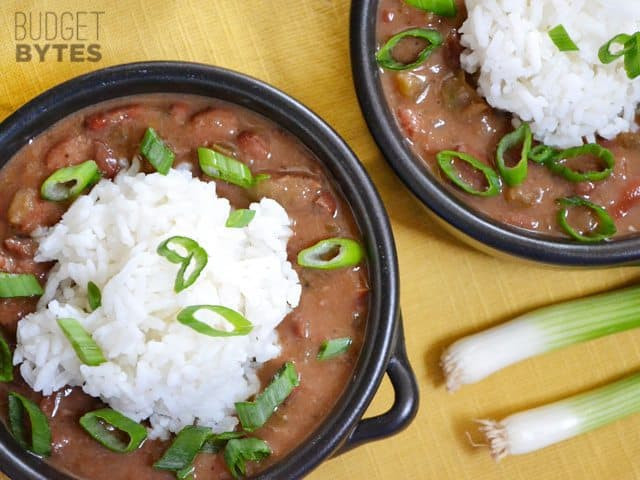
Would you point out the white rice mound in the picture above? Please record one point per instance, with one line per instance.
(568, 97)
(156, 367)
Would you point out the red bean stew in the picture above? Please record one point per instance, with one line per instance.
(438, 109)
(333, 304)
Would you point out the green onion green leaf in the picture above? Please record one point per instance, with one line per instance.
(515, 175)
(241, 325)
(606, 226)
(606, 56)
(445, 161)
(69, 182)
(216, 442)
(445, 8)
(334, 347)
(385, 58)
(217, 165)
(85, 347)
(6, 364)
(629, 49)
(156, 152)
(240, 218)
(40, 442)
(542, 153)
(254, 414)
(13, 285)
(557, 163)
(100, 424)
(562, 40)
(241, 450)
(94, 295)
(183, 450)
(332, 253)
(189, 254)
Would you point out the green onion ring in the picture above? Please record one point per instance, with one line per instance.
(6, 364)
(241, 325)
(156, 152)
(13, 285)
(85, 347)
(240, 218)
(542, 153)
(217, 441)
(515, 175)
(606, 225)
(605, 55)
(180, 455)
(333, 348)
(94, 296)
(554, 163)
(445, 8)
(94, 424)
(561, 39)
(632, 57)
(217, 165)
(445, 160)
(241, 450)
(385, 58)
(194, 253)
(254, 415)
(58, 188)
(349, 254)
(40, 443)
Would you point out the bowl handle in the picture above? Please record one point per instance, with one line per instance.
(405, 404)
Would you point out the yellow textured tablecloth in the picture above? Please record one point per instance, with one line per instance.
(448, 289)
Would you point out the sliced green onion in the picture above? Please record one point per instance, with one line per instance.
(385, 58)
(343, 252)
(6, 364)
(13, 285)
(194, 257)
(542, 154)
(632, 57)
(40, 442)
(606, 56)
(477, 356)
(240, 218)
(87, 350)
(69, 182)
(537, 428)
(445, 8)
(241, 325)
(94, 295)
(445, 160)
(556, 163)
(156, 152)
(216, 442)
(515, 175)
(100, 424)
(254, 414)
(183, 450)
(333, 348)
(186, 473)
(606, 225)
(217, 165)
(562, 40)
(241, 450)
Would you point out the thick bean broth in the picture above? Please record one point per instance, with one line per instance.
(333, 303)
(437, 108)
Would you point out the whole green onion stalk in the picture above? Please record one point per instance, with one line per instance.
(540, 427)
(477, 356)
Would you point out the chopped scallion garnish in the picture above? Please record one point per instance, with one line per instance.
(241, 325)
(240, 218)
(189, 254)
(216, 442)
(40, 442)
(85, 347)
(94, 295)
(445, 8)
(629, 48)
(606, 226)
(557, 163)
(542, 153)
(477, 356)
(156, 152)
(333, 348)
(518, 173)
(241, 450)
(183, 450)
(385, 59)
(332, 253)
(69, 182)
(561, 39)
(445, 161)
(217, 165)
(6, 365)
(100, 424)
(13, 285)
(254, 414)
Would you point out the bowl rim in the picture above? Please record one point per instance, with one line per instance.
(349, 176)
(423, 184)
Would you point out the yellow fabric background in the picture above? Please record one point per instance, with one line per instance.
(448, 289)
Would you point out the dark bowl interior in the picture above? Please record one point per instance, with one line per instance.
(473, 225)
(177, 77)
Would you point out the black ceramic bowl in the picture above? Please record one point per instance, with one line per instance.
(472, 226)
(383, 349)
